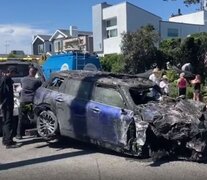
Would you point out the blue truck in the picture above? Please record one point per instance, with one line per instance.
(70, 61)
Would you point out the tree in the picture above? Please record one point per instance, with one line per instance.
(139, 49)
(188, 2)
(191, 1)
(10, 55)
(192, 50)
(171, 49)
(113, 63)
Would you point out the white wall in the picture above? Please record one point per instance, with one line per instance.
(112, 45)
(97, 19)
(129, 18)
(183, 29)
(193, 18)
(137, 17)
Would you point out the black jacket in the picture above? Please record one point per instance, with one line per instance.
(6, 92)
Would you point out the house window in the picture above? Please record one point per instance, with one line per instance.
(111, 22)
(58, 46)
(40, 49)
(111, 33)
(172, 32)
(50, 47)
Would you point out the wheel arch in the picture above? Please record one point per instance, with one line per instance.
(42, 107)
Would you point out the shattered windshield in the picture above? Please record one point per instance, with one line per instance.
(141, 96)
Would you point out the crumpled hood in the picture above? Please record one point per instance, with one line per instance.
(178, 121)
(186, 111)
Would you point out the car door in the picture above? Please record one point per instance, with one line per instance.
(105, 114)
(72, 109)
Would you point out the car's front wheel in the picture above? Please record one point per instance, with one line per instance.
(47, 124)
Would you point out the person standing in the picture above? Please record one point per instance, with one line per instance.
(197, 88)
(155, 78)
(7, 106)
(182, 85)
(29, 85)
(164, 85)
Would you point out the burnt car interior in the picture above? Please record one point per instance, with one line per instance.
(141, 96)
(55, 83)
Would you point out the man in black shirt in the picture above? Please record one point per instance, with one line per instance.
(7, 106)
(29, 85)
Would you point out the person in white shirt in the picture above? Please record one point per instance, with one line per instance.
(164, 85)
(155, 78)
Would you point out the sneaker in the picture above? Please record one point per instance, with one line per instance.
(12, 146)
(11, 143)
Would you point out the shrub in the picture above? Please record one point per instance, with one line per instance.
(172, 75)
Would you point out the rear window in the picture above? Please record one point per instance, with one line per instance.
(23, 69)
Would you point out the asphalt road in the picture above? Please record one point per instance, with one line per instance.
(69, 159)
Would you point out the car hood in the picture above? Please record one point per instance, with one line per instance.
(171, 110)
(177, 121)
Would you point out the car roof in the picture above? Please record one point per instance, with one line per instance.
(107, 78)
(17, 62)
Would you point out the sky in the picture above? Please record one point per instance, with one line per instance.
(20, 20)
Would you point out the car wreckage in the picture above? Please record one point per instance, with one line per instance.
(117, 111)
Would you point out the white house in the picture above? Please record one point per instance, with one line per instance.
(110, 21)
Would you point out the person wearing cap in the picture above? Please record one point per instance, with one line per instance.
(7, 106)
(164, 85)
(29, 85)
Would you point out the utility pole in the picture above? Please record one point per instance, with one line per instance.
(6, 45)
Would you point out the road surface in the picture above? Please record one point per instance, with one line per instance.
(68, 159)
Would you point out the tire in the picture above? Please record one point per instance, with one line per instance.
(47, 124)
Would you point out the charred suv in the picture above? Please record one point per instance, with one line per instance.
(118, 112)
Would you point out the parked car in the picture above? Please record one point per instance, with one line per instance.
(117, 111)
(22, 66)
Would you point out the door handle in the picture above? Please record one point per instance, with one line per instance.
(59, 99)
(96, 110)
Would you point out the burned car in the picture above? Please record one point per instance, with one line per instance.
(118, 112)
